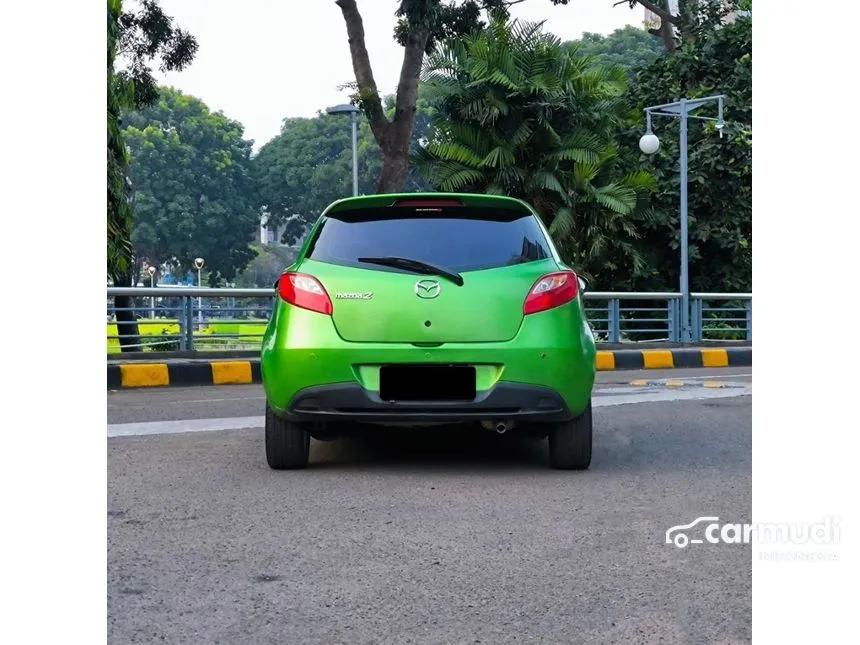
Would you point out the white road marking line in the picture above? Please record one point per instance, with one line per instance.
(184, 425)
(185, 401)
(239, 423)
(715, 375)
(670, 395)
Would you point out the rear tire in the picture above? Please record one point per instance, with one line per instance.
(287, 443)
(570, 443)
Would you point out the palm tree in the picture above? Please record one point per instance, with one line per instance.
(518, 114)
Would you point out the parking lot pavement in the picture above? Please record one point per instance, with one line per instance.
(149, 405)
(432, 536)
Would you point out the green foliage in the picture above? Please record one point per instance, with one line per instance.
(309, 165)
(193, 194)
(266, 267)
(423, 129)
(719, 61)
(629, 48)
(139, 38)
(167, 341)
(447, 19)
(518, 114)
(146, 35)
(120, 95)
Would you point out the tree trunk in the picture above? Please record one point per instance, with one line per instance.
(395, 166)
(126, 321)
(394, 137)
(665, 31)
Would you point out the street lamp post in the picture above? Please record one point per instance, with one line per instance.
(649, 144)
(198, 263)
(353, 111)
(151, 271)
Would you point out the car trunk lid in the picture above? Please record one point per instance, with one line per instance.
(499, 251)
(379, 305)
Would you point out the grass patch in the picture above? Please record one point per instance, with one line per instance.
(162, 334)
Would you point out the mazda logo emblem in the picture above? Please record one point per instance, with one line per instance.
(427, 288)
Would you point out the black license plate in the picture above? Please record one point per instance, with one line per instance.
(427, 383)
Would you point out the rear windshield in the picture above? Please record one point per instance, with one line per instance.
(456, 238)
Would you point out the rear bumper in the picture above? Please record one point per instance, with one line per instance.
(553, 351)
(350, 401)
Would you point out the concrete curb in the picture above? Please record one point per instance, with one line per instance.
(225, 372)
(131, 375)
(637, 359)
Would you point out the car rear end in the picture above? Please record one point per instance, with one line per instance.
(351, 339)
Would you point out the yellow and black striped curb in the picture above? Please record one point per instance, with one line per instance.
(223, 372)
(639, 359)
(127, 375)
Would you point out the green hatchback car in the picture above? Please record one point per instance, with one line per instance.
(423, 309)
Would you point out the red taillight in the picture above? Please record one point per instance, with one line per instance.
(304, 291)
(552, 290)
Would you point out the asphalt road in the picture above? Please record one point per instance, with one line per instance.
(431, 536)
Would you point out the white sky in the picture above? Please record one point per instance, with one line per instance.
(260, 61)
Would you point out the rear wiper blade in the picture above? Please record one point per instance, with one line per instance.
(417, 266)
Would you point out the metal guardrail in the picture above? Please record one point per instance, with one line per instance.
(191, 318)
(654, 316)
(195, 318)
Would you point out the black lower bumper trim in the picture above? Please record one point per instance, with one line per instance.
(351, 402)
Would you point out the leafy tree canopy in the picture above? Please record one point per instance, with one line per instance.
(424, 23)
(119, 97)
(720, 169)
(306, 167)
(193, 194)
(629, 48)
(266, 267)
(309, 165)
(517, 114)
(137, 38)
(146, 35)
(449, 19)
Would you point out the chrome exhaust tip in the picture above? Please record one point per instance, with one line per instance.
(500, 427)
